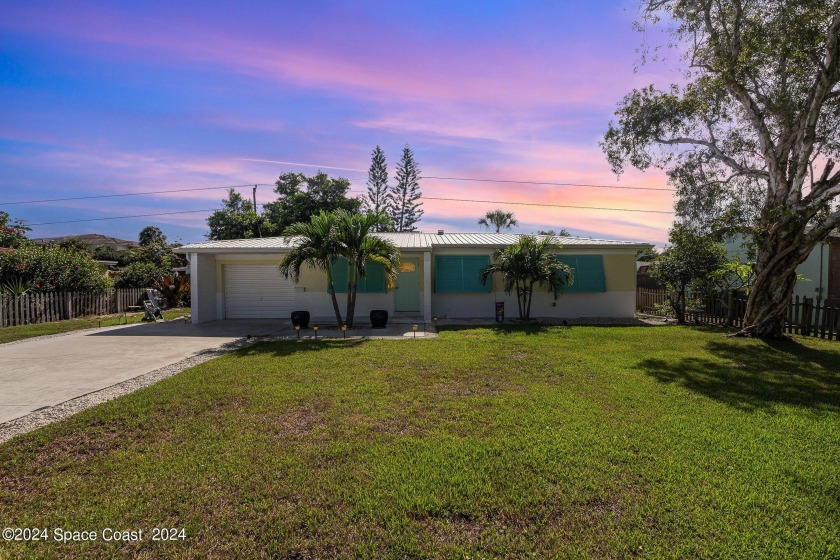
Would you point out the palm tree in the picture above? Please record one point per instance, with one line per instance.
(353, 233)
(498, 219)
(316, 244)
(527, 263)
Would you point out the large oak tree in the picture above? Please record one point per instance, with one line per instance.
(750, 137)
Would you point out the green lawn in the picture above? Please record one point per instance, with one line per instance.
(586, 442)
(19, 332)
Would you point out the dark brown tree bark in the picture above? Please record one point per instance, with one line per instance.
(778, 256)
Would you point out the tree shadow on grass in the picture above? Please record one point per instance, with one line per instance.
(757, 376)
(505, 330)
(283, 348)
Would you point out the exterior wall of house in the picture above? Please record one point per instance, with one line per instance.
(311, 290)
(618, 301)
(815, 271)
(203, 274)
(311, 294)
(567, 306)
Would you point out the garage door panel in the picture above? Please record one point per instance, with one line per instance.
(257, 292)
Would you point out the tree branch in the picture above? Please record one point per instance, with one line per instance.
(718, 154)
(825, 189)
(819, 233)
(820, 92)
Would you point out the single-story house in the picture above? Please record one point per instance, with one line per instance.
(439, 276)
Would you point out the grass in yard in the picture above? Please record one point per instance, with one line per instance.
(19, 332)
(588, 442)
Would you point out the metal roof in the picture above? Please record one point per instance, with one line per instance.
(407, 241)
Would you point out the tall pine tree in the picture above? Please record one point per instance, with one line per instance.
(404, 209)
(378, 198)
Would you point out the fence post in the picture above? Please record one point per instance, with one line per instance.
(730, 308)
(807, 311)
(2, 311)
(68, 304)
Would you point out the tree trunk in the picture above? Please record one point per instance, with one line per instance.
(331, 289)
(678, 305)
(351, 303)
(777, 259)
(530, 295)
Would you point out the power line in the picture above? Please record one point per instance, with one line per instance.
(549, 205)
(548, 183)
(130, 194)
(551, 183)
(169, 191)
(425, 197)
(124, 217)
(540, 204)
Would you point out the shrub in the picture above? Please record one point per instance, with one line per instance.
(141, 275)
(176, 290)
(46, 269)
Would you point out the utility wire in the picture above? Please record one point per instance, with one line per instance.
(550, 205)
(130, 194)
(424, 197)
(124, 217)
(548, 183)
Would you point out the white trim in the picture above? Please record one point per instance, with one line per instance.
(427, 286)
(195, 292)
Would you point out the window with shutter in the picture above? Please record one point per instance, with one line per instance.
(588, 273)
(374, 282)
(460, 274)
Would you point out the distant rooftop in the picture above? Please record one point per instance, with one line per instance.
(410, 240)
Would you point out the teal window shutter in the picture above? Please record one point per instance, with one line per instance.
(449, 277)
(589, 273)
(472, 267)
(374, 283)
(339, 271)
(460, 274)
(590, 269)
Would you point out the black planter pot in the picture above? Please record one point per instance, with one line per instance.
(378, 318)
(300, 318)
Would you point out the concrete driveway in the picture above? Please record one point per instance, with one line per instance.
(45, 372)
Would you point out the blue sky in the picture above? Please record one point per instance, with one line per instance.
(109, 98)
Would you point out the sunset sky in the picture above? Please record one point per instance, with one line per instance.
(143, 96)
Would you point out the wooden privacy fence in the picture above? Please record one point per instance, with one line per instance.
(806, 316)
(58, 306)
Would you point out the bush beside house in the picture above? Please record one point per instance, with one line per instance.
(45, 269)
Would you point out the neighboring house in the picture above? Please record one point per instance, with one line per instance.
(105, 268)
(820, 271)
(439, 276)
(92, 240)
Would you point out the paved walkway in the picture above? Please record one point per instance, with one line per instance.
(46, 371)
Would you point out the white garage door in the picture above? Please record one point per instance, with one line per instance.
(257, 292)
